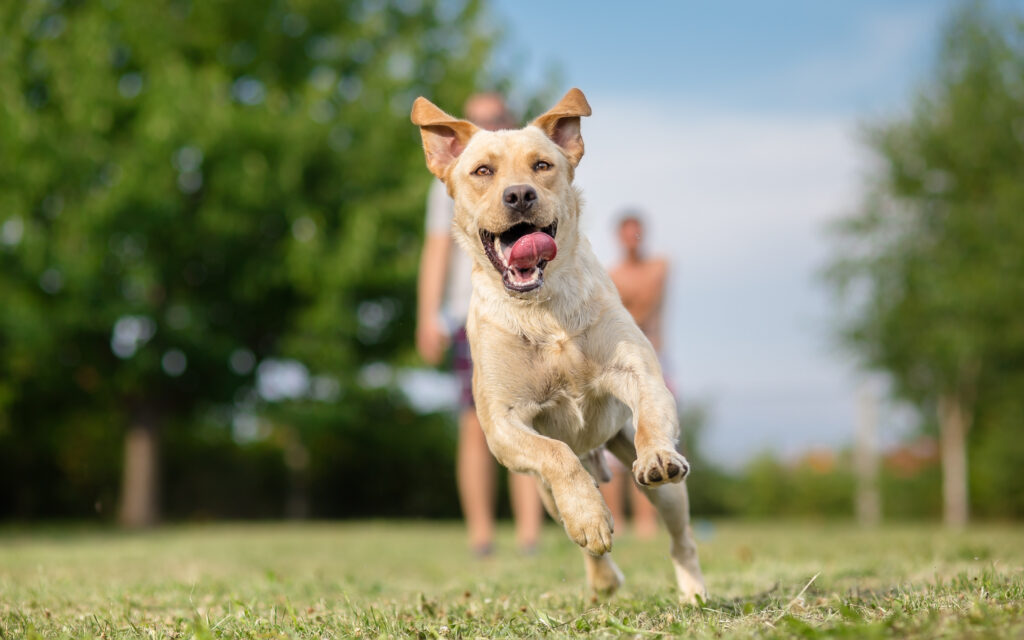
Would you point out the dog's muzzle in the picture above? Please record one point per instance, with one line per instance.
(520, 254)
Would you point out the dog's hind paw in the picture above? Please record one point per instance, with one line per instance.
(653, 468)
(602, 574)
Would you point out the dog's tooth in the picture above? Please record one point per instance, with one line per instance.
(497, 249)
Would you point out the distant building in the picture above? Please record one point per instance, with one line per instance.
(818, 460)
(909, 459)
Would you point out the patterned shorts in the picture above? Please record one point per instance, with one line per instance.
(462, 364)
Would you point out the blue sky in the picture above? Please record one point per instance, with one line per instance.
(734, 126)
(788, 56)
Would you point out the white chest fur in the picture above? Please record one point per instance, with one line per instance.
(575, 408)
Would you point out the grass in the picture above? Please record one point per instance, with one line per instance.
(412, 579)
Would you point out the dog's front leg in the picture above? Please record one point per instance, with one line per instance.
(635, 378)
(657, 434)
(577, 502)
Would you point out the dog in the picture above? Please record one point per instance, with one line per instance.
(560, 367)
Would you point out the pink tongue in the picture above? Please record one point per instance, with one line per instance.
(531, 249)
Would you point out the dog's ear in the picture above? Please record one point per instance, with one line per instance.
(444, 136)
(562, 123)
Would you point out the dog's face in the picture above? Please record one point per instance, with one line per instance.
(512, 189)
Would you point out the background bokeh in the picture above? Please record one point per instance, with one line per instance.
(211, 216)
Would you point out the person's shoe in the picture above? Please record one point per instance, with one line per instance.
(485, 550)
(530, 549)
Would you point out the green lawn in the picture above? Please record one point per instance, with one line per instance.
(416, 579)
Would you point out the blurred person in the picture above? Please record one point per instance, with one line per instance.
(444, 289)
(641, 283)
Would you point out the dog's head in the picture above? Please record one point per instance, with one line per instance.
(512, 189)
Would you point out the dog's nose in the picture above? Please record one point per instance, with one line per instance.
(519, 197)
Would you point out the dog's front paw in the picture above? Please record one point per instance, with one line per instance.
(653, 468)
(593, 532)
(587, 519)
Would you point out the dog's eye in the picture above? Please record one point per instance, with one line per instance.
(483, 170)
(541, 165)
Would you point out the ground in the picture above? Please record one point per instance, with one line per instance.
(414, 579)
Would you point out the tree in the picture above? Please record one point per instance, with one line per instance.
(188, 189)
(932, 263)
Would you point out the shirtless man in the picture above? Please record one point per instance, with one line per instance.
(641, 284)
(640, 280)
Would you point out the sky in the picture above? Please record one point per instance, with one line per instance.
(735, 127)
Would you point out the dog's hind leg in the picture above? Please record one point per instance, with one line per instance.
(603, 576)
(673, 505)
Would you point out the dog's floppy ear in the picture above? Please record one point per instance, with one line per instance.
(444, 136)
(562, 123)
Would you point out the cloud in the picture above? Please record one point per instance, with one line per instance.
(723, 190)
(738, 202)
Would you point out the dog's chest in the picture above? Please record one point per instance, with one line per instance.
(574, 407)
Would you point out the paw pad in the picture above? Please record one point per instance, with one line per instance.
(659, 467)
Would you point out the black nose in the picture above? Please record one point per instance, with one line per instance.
(519, 197)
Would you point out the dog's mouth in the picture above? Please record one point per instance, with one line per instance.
(520, 254)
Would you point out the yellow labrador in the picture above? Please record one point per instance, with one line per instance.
(560, 368)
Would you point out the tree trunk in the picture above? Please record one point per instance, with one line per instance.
(865, 460)
(953, 426)
(139, 484)
(296, 459)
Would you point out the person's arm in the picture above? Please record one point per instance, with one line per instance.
(431, 338)
(660, 278)
(654, 323)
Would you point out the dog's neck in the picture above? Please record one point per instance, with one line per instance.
(564, 307)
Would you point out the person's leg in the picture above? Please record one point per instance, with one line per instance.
(612, 492)
(526, 509)
(475, 471)
(645, 516)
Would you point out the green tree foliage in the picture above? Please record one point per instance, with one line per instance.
(933, 263)
(190, 188)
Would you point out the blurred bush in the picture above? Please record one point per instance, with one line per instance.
(210, 216)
